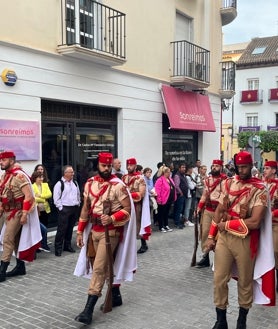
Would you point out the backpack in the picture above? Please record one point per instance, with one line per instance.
(63, 186)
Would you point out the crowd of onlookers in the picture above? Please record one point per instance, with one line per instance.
(174, 192)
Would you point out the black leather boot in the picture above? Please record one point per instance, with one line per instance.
(241, 321)
(221, 322)
(204, 262)
(116, 297)
(143, 248)
(86, 315)
(19, 269)
(3, 270)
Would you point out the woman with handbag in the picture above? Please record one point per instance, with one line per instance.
(42, 194)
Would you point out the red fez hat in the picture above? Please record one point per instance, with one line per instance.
(106, 158)
(272, 164)
(131, 161)
(7, 154)
(217, 162)
(243, 158)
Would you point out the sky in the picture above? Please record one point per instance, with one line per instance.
(255, 18)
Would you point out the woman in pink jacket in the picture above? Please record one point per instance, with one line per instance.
(166, 195)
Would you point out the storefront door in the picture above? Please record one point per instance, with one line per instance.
(74, 134)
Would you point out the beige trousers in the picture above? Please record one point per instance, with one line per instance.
(206, 219)
(230, 249)
(100, 263)
(11, 236)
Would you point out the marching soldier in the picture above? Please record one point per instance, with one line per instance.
(17, 207)
(137, 187)
(99, 191)
(213, 185)
(244, 243)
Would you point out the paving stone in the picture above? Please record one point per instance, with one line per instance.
(166, 294)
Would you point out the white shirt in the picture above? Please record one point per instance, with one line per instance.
(70, 195)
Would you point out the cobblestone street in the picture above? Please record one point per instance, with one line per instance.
(166, 294)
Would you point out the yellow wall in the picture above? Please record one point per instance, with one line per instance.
(31, 23)
(150, 29)
(148, 47)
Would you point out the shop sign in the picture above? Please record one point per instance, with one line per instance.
(22, 137)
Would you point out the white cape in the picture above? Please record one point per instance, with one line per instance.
(146, 215)
(125, 263)
(30, 233)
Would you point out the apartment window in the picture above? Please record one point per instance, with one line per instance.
(86, 22)
(252, 120)
(253, 84)
(92, 25)
(184, 28)
(258, 50)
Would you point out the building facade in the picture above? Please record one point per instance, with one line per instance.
(255, 104)
(83, 76)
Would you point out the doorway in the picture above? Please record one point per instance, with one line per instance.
(74, 134)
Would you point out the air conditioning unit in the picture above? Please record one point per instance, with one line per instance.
(196, 71)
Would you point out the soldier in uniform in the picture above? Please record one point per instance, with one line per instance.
(241, 223)
(271, 181)
(209, 200)
(17, 208)
(137, 186)
(106, 204)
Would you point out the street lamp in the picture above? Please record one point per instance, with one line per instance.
(230, 133)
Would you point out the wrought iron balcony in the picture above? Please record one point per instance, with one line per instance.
(93, 31)
(228, 11)
(227, 90)
(190, 65)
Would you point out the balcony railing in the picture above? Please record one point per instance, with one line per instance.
(190, 65)
(228, 79)
(272, 128)
(251, 96)
(249, 128)
(90, 28)
(228, 11)
(273, 95)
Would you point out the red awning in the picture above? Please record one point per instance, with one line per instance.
(187, 110)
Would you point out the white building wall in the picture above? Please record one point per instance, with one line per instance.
(266, 111)
(41, 75)
(54, 77)
(209, 142)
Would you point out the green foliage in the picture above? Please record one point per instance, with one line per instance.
(269, 139)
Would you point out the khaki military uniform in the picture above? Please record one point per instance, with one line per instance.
(208, 203)
(137, 187)
(241, 198)
(11, 206)
(96, 191)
